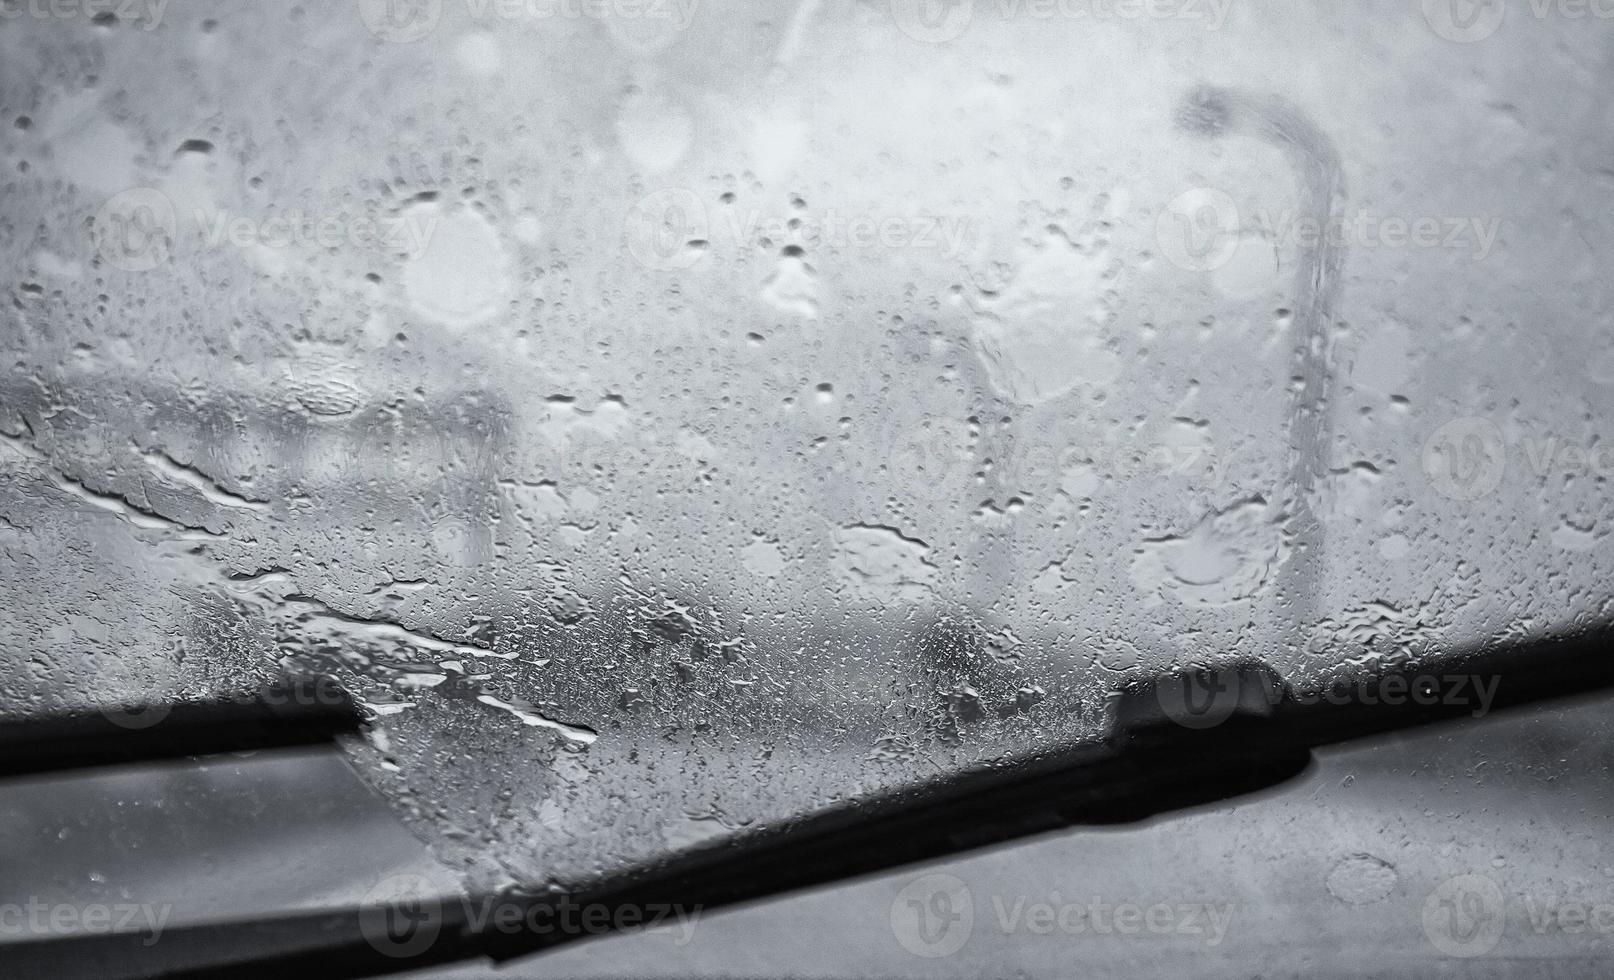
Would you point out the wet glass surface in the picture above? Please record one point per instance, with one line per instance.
(670, 425)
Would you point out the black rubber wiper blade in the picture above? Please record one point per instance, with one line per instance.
(284, 714)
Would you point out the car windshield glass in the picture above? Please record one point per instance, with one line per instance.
(668, 419)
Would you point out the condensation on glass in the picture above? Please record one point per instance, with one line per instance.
(669, 422)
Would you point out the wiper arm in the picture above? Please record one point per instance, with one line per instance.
(1152, 764)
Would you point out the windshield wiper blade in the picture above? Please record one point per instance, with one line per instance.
(287, 713)
(1153, 763)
